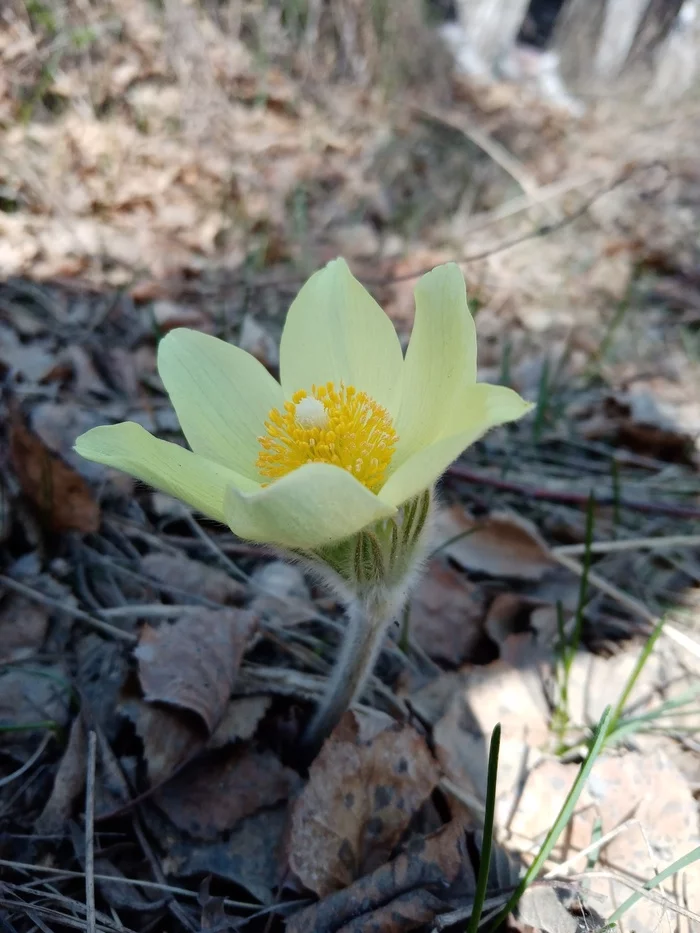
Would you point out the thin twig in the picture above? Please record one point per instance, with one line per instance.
(90, 833)
(647, 893)
(629, 602)
(117, 879)
(29, 763)
(150, 611)
(626, 173)
(561, 871)
(631, 544)
(490, 146)
(460, 472)
(72, 611)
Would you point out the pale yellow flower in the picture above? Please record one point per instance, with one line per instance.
(353, 431)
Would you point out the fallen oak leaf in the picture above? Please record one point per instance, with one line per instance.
(192, 664)
(360, 798)
(61, 496)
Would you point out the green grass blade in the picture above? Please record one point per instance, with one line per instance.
(490, 809)
(600, 735)
(634, 675)
(583, 584)
(672, 869)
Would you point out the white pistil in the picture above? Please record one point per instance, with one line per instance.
(311, 413)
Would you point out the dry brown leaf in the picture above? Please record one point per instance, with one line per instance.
(501, 544)
(649, 791)
(359, 800)
(209, 797)
(23, 625)
(642, 422)
(595, 681)
(62, 497)
(67, 784)
(240, 720)
(446, 614)
(250, 857)
(169, 739)
(497, 692)
(414, 882)
(193, 576)
(193, 663)
(541, 908)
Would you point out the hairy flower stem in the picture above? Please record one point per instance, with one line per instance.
(367, 624)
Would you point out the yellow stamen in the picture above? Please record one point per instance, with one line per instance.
(327, 425)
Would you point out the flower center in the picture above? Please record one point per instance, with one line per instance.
(327, 425)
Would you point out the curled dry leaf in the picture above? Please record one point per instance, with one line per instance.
(192, 576)
(61, 496)
(209, 797)
(446, 612)
(359, 800)
(416, 881)
(501, 544)
(193, 663)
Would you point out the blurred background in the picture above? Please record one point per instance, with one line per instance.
(169, 163)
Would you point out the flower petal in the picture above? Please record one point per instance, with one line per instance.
(335, 331)
(312, 506)
(486, 406)
(222, 396)
(440, 360)
(169, 467)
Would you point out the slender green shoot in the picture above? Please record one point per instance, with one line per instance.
(30, 726)
(489, 812)
(560, 715)
(634, 675)
(506, 354)
(673, 869)
(568, 648)
(543, 396)
(596, 836)
(653, 719)
(405, 633)
(450, 541)
(562, 819)
(572, 648)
